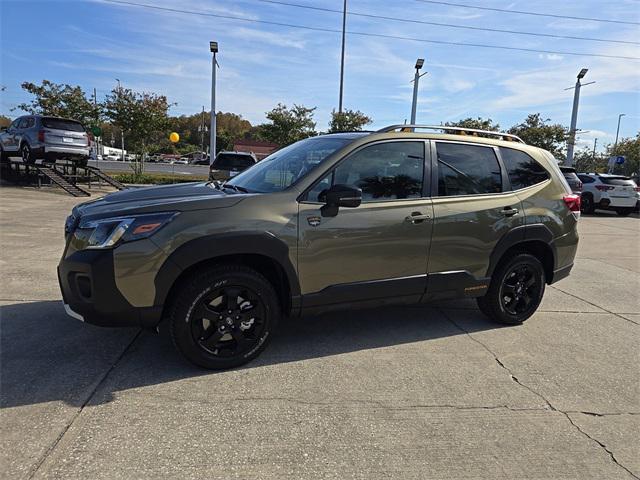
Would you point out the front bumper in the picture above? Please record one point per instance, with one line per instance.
(90, 294)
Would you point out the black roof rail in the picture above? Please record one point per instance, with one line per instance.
(446, 129)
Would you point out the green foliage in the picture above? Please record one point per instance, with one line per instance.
(155, 179)
(476, 123)
(348, 121)
(288, 125)
(630, 148)
(585, 161)
(538, 132)
(60, 100)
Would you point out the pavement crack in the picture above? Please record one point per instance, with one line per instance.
(66, 428)
(539, 395)
(594, 305)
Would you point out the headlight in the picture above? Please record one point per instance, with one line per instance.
(107, 232)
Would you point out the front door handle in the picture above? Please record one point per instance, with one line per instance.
(509, 211)
(416, 217)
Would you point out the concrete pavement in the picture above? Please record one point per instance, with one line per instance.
(413, 392)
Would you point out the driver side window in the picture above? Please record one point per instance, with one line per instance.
(384, 171)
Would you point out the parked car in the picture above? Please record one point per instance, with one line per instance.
(608, 192)
(37, 137)
(228, 164)
(180, 161)
(112, 157)
(572, 179)
(344, 220)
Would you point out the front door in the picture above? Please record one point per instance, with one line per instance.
(379, 249)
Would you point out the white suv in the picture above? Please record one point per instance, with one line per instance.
(608, 192)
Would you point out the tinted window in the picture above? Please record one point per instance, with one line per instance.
(62, 124)
(15, 123)
(523, 170)
(384, 171)
(586, 179)
(620, 181)
(570, 175)
(467, 170)
(285, 167)
(23, 123)
(227, 161)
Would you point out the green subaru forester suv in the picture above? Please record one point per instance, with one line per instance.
(405, 215)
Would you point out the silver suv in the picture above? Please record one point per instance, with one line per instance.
(35, 137)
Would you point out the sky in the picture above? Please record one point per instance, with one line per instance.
(91, 43)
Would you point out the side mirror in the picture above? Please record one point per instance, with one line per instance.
(339, 196)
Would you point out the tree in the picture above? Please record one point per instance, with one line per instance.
(4, 121)
(585, 161)
(476, 123)
(536, 131)
(60, 100)
(630, 148)
(141, 116)
(288, 125)
(348, 121)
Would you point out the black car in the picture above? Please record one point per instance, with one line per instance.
(228, 164)
(572, 179)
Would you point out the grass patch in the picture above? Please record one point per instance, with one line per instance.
(155, 178)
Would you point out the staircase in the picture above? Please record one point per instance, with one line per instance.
(103, 176)
(54, 175)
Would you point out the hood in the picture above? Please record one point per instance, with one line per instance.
(180, 197)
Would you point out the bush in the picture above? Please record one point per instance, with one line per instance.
(155, 179)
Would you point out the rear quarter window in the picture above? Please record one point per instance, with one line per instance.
(618, 181)
(233, 161)
(523, 170)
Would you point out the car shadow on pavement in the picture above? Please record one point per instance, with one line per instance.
(46, 356)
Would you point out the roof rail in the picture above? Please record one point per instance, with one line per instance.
(447, 129)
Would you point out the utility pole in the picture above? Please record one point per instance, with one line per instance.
(344, 26)
(571, 141)
(416, 79)
(615, 145)
(121, 127)
(593, 155)
(95, 106)
(213, 46)
(202, 129)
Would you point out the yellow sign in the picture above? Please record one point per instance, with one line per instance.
(174, 137)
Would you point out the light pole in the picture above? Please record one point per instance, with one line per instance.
(615, 145)
(344, 25)
(121, 127)
(416, 79)
(213, 46)
(571, 141)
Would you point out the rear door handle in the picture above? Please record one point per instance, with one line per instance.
(416, 217)
(508, 211)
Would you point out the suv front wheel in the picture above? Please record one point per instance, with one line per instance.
(224, 317)
(516, 290)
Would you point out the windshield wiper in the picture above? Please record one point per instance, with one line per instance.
(235, 187)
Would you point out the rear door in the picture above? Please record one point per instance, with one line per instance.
(473, 209)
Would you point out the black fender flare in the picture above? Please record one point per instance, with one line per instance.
(210, 247)
(521, 234)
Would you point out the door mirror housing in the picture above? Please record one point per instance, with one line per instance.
(338, 196)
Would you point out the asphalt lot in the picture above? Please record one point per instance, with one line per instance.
(407, 393)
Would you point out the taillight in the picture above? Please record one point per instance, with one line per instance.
(637, 189)
(604, 188)
(41, 136)
(572, 202)
(579, 186)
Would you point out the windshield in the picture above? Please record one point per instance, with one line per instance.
(283, 168)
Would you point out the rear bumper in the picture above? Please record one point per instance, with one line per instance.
(66, 151)
(90, 294)
(617, 202)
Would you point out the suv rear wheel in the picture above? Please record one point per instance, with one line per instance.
(224, 317)
(26, 154)
(516, 290)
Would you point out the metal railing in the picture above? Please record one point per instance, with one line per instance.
(459, 130)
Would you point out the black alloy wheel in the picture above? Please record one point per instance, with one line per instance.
(516, 289)
(228, 321)
(519, 289)
(586, 204)
(25, 153)
(224, 317)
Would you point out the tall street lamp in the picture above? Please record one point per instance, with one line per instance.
(213, 46)
(416, 79)
(617, 133)
(121, 128)
(571, 141)
(344, 25)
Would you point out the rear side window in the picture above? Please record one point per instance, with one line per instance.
(570, 175)
(523, 170)
(586, 179)
(62, 124)
(227, 161)
(619, 181)
(467, 170)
